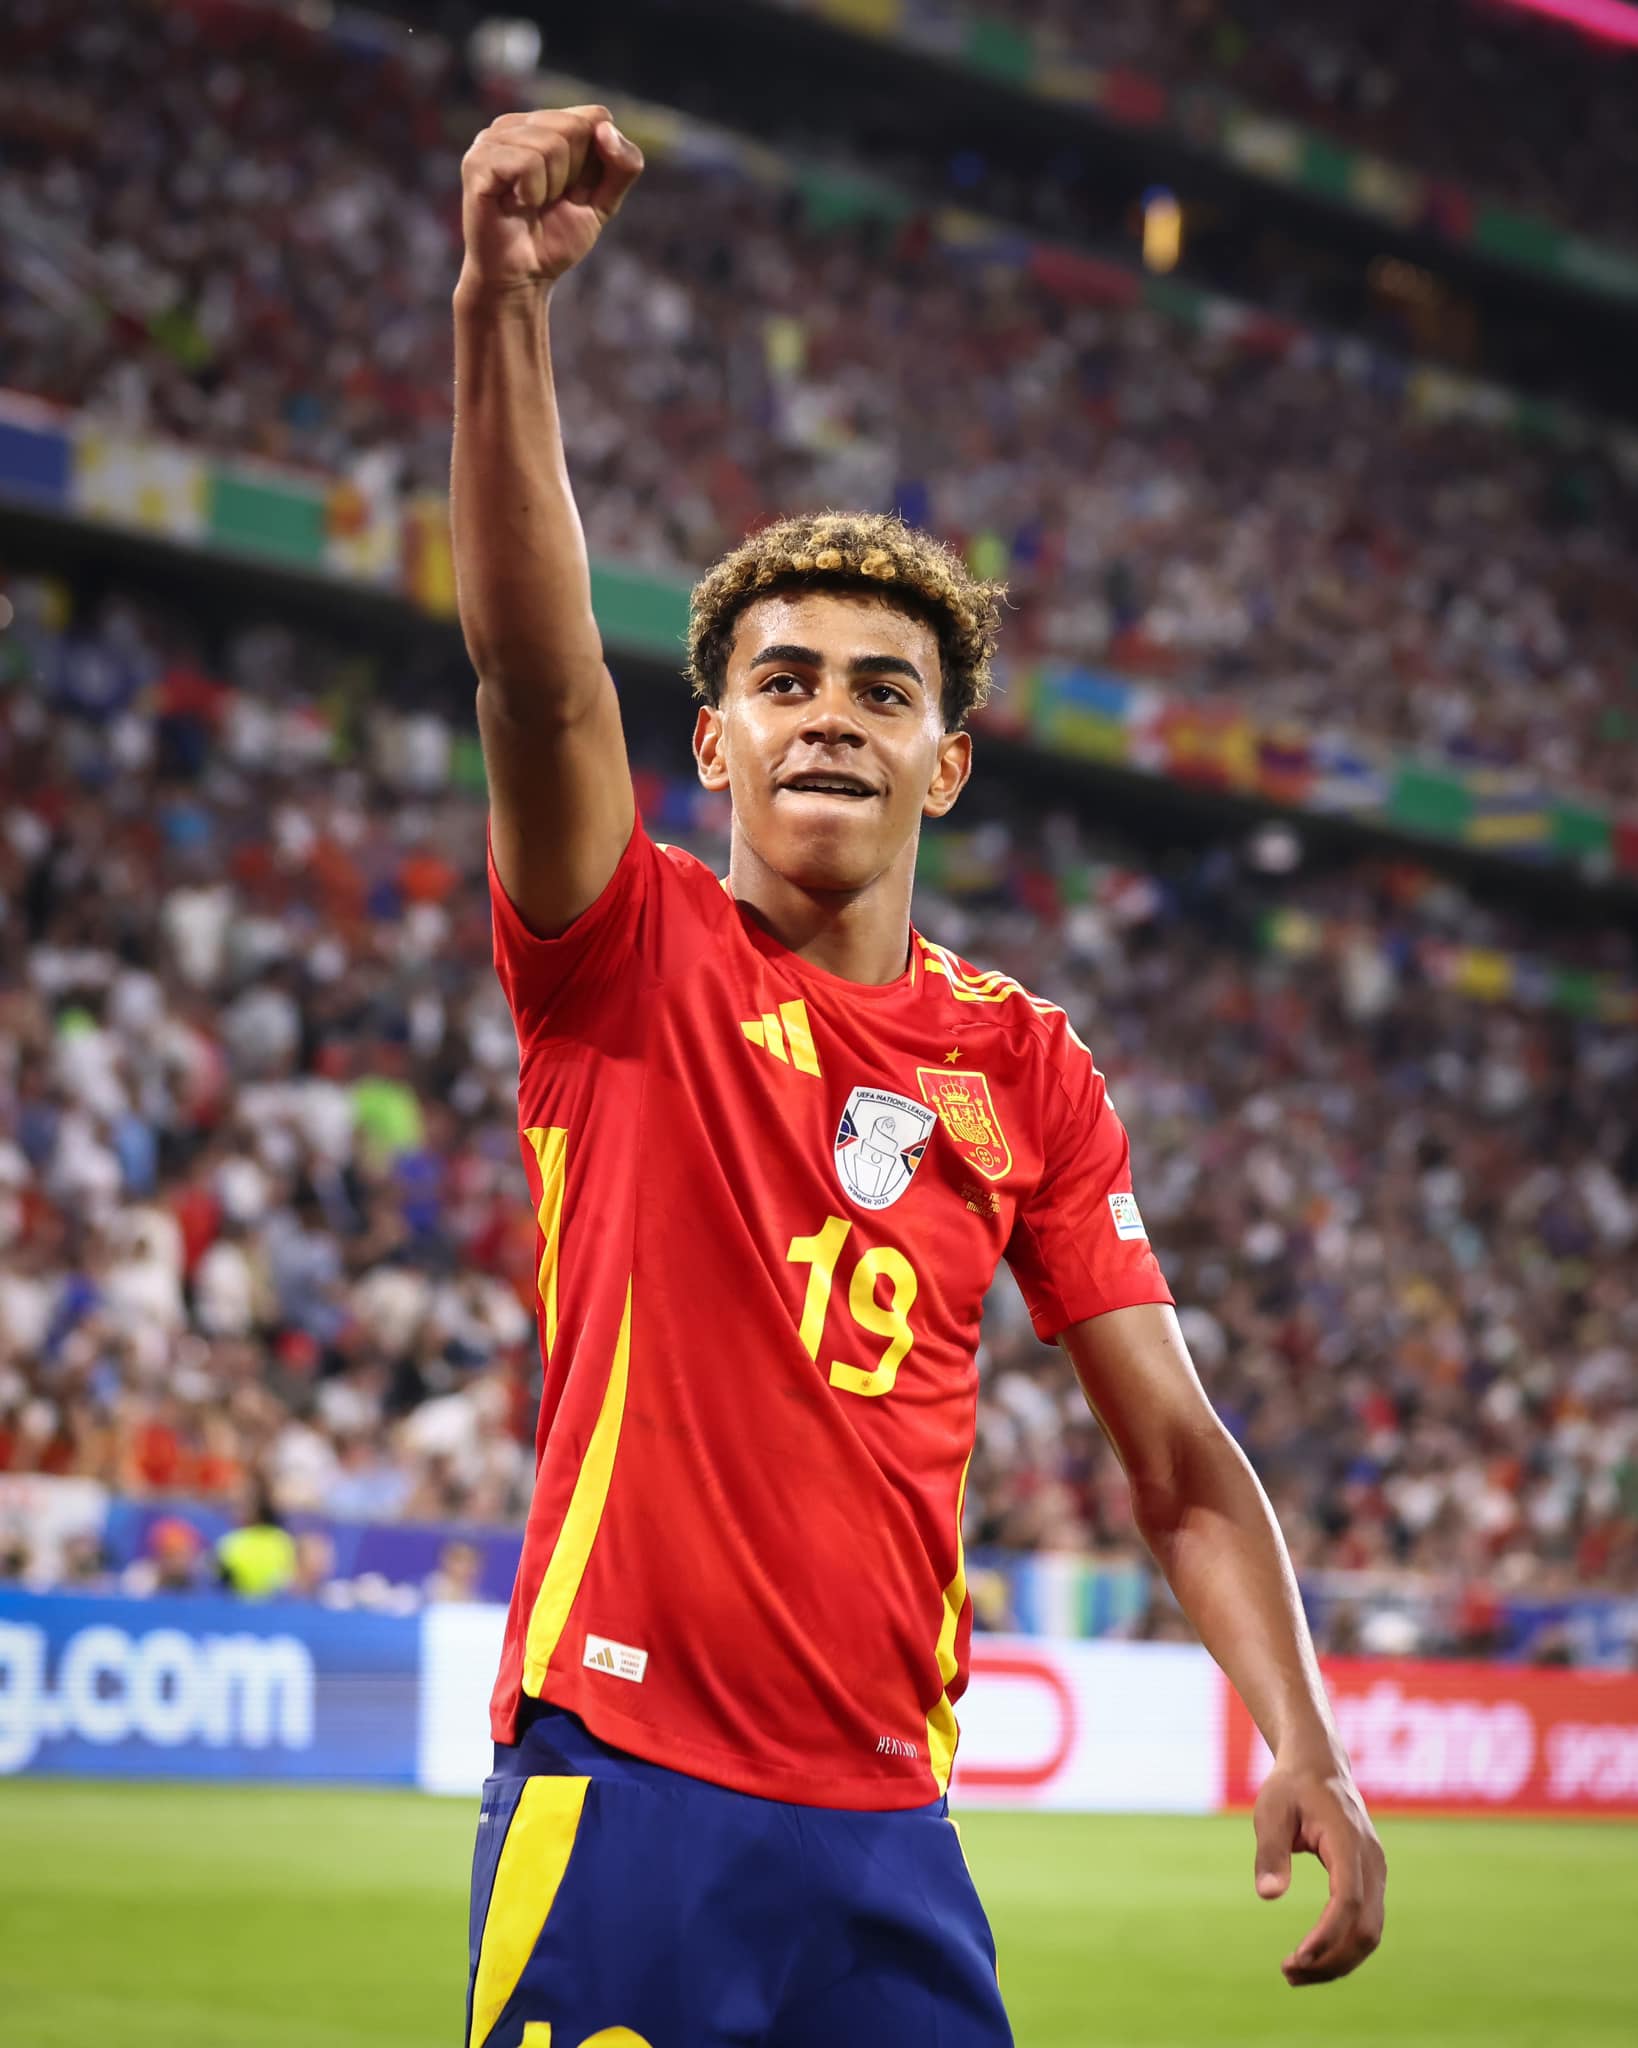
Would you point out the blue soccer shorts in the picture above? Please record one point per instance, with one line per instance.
(619, 1905)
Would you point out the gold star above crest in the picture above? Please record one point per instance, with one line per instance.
(952, 1055)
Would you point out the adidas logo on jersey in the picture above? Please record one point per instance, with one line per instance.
(786, 1035)
(619, 1660)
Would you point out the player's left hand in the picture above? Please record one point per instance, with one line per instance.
(1317, 1808)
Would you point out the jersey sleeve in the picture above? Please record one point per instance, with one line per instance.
(644, 924)
(1078, 1245)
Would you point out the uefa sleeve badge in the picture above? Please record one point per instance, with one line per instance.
(1128, 1223)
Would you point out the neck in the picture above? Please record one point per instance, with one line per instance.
(858, 934)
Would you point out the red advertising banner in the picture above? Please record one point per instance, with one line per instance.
(1468, 1738)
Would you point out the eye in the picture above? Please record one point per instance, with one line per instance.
(777, 684)
(884, 693)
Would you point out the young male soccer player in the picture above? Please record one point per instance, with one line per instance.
(778, 1142)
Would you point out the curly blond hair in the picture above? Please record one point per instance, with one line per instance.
(876, 553)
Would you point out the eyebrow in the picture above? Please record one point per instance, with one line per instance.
(863, 665)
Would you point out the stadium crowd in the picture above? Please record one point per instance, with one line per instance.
(266, 269)
(263, 1223)
(1510, 108)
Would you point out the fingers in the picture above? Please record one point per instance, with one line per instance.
(1275, 1820)
(1321, 1811)
(576, 120)
(1350, 1928)
(1321, 1953)
(622, 166)
(537, 158)
(524, 175)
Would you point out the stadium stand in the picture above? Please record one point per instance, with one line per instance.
(262, 1211)
(1417, 84)
(1271, 511)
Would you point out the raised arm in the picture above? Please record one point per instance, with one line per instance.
(536, 192)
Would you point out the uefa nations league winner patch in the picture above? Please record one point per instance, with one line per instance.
(879, 1144)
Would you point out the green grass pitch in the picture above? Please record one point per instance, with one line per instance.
(191, 1917)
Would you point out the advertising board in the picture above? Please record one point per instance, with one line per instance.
(205, 1688)
(1468, 1738)
(1099, 1727)
(1091, 1727)
(218, 1688)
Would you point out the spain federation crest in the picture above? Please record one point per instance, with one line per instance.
(961, 1098)
(879, 1144)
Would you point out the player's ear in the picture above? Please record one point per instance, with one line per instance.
(955, 764)
(709, 761)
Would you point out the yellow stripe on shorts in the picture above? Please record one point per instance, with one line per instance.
(538, 2034)
(532, 1862)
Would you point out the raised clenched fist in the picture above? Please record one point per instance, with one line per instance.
(536, 192)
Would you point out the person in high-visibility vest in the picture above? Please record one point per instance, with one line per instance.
(258, 1559)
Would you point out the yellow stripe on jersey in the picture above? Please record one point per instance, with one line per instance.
(789, 1027)
(799, 1035)
(967, 988)
(532, 1862)
(551, 1148)
(990, 987)
(978, 977)
(941, 1722)
(573, 1548)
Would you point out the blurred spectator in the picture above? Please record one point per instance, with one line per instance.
(315, 1565)
(460, 1568)
(260, 1559)
(173, 1559)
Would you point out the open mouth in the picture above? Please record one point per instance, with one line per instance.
(849, 788)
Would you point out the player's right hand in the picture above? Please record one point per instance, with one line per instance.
(536, 192)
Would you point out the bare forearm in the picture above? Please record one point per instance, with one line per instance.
(1214, 1535)
(1213, 1532)
(521, 573)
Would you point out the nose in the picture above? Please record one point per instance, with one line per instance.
(833, 718)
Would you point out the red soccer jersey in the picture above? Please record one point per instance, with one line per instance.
(770, 1204)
